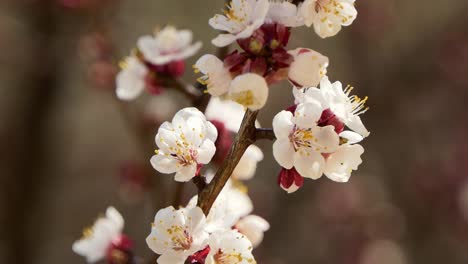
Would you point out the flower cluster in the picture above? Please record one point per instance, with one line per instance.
(226, 235)
(262, 29)
(311, 135)
(157, 57)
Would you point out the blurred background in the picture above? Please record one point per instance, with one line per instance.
(69, 149)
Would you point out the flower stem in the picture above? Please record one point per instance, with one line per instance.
(245, 137)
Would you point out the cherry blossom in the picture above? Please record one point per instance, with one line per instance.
(239, 21)
(184, 144)
(177, 234)
(328, 16)
(168, 45)
(301, 142)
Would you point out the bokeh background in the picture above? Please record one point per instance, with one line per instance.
(68, 148)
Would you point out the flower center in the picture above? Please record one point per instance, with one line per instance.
(180, 238)
(302, 138)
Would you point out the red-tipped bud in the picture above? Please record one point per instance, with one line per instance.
(290, 180)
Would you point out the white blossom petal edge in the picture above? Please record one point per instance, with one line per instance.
(96, 240)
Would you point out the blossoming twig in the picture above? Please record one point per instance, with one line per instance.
(243, 140)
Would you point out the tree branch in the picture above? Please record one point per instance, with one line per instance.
(264, 133)
(245, 137)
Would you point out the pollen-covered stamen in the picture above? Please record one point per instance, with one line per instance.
(356, 104)
(303, 138)
(180, 238)
(231, 13)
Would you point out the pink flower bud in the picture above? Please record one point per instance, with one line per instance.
(290, 180)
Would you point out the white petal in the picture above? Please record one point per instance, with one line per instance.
(206, 152)
(327, 140)
(307, 114)
(308, 67)
(171, 259)
(354, 122)
(351, 137)
(222, 40)
(283, 151)
(164, 164)
(282, 124)
(309, 164)
(340, 164)
(186, 173)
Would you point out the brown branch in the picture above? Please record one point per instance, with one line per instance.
(243, 140)
(264, 133)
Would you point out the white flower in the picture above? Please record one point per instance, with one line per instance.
(231, 204)
(249, 90)
(247, 165)
(328, 16)
(347, 108)
(284, 12)
(184, 144)
(308, 67)
(300, 142)
(177, 234)
(168, 45)
(241, 19)
(229, 247)
(253, 227)
(343, 161)
(332, 96)
(131, 79)
(228, 112)
(217, 78)
(97, 239)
